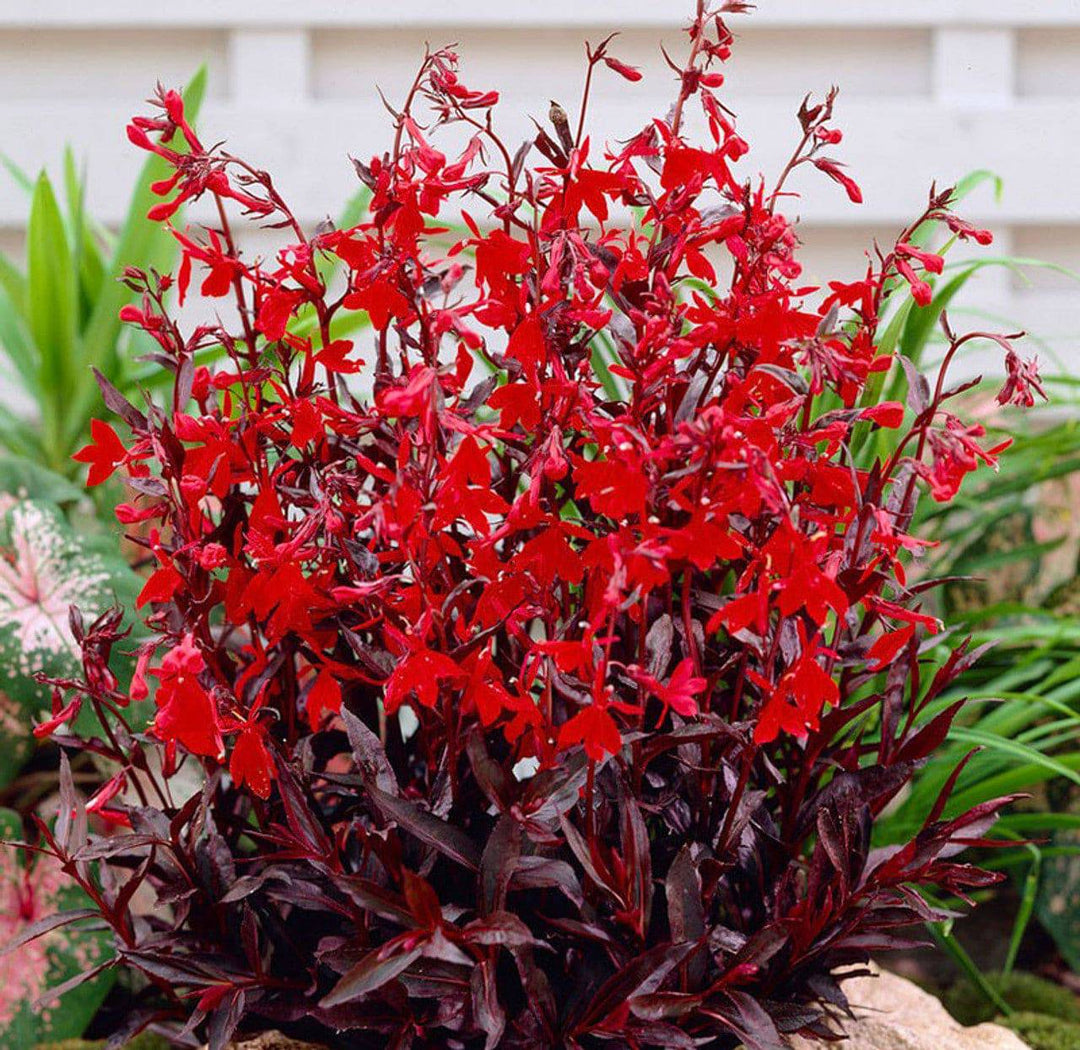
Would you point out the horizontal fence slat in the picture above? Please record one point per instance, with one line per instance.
(613, 13)
(893, 148)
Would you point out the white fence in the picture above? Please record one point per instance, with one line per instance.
(930, 90)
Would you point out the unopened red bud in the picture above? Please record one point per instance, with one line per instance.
(335, 523)
(193, 488)
(212, 556)
(629, 72)
(174, 106)
(200, 383)
(138, 137)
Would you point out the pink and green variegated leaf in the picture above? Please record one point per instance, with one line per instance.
(31, 889)
(45, 568)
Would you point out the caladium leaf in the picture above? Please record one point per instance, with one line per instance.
(45, 568)
(33, 889)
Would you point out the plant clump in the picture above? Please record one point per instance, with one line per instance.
(543, 664)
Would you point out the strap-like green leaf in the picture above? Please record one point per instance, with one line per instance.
(15, 343)
(89, 264)
(52, 308)
(21, 179)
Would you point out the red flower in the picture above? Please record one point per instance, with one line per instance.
(160, 586)
(105, 453)
(888, 414)
(420, 674)
(613, 487)
(932, 262)
(794, 704)
(598, 467)
(518, 403)
(412, 399)
(593, 727)
(627, 72)
(186, 712)
(1022, 381)
(275, 311)
(681, 691)
(251, 762)
(324, 695)
(955, 453)
(887, 646)
(527, 344)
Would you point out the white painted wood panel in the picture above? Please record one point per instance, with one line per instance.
(795, 13)
(930, 89)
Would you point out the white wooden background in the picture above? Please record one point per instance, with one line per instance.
(930, 89)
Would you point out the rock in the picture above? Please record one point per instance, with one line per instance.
(145, 1041)
(894, 1014)
(271, 1041)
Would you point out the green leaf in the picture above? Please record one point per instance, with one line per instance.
(15, 341)
(18, 436)
(52, 306)
(973, 180)
(13, 282)
(89, 263)
(1026, 909)
(1058, 902)
(942, 933)
(604, 355)
(1018, 777)
(27, 479)
(871, 394)
(21, 179)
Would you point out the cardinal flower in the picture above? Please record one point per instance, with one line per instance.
(324, 695)
(251, 762)
(1022, 381)
(955, 453)
(186, 712)
(105, 453)
(681, 691)
(793, 705)
(593, 727)
(420, 674)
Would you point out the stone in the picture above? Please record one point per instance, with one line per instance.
(894, 1014)
(271, 1041)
